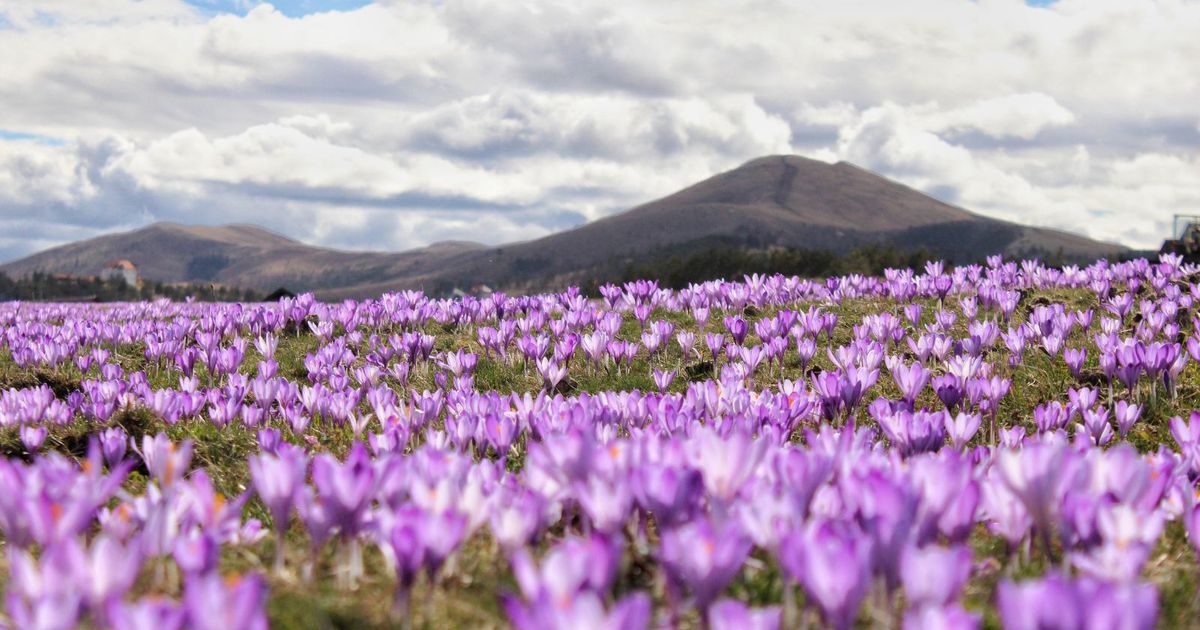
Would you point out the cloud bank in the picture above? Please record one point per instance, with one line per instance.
(400, 123)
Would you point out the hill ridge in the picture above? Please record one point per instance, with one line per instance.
(778, 200)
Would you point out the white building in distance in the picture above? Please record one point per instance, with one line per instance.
(122, 270)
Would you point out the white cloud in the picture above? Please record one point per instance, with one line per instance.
(32, 173)
(405, 122)
(1020, 116)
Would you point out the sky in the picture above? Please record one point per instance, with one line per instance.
(394, 124)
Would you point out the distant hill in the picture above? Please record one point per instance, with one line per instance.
(785, 201)
(235, 255)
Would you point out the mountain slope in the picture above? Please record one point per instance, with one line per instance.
(785, 201)
(237, 255)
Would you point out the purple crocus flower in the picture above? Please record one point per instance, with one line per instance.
(414, 539)
(1038, 604)
(515, 517)
(1187, 436)
(961, 427)
(1108, 605)
(1128, 374)
(949, 617)
(725, 463)
(277, 478)
(737, 328)
(1038, 474)
(111, 570)
(886, 510)
(949, 390)
(663, 378)
(1083, 399)
(949, 496)
(828, 386)
(1012, 438)
(911, 379)
(1075, 358)
(235, 603)
(553, 373)
(704, 557)
(715, 342)
(32, 437)
(113, 442)
(1056, 602)
(567, 587)
(606, 501)
(1126, 415)
(149, 613)
(1096, 424)
(806, 349)
(269, 439)
(583, 610)
(832, 562)
(166, 461)
(1005, 512)
(729, 614)
(855, 383)
(54, 611)
(934, 576)
(670, 493)
(501, 431)
(196, 553)
(913, 432)
(345, 488)
(1050, 416)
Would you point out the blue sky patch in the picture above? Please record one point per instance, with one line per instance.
(8, 134)
(290, 8)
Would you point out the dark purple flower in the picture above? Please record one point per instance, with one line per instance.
(737, 328)
(949, 390)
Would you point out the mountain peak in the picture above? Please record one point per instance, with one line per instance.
(819, 193)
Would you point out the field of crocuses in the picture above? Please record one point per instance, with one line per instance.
(1005, 445)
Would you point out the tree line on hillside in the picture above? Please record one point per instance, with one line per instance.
(46, 287)
(676, 271)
